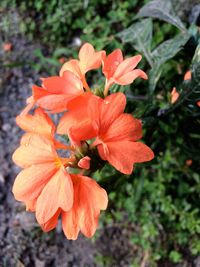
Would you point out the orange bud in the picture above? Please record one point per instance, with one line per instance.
(174, 95)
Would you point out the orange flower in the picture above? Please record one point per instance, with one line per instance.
(116, 133)
(88, 60)
(89, 199)
(188, 75)
(121, 71)
(55, 93)
(43, 184)
(174, 95)
(198, 103)
(46, 188)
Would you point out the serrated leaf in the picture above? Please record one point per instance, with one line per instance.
(161, 9)
(140, 35)
(169, 49)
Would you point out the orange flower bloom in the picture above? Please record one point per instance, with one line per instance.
(44, 182)
(198, 103)
(88, 60)
(46, 188)
(188, 75)
(174, 95)
(121, 71)
(116, 133)
(89, 199)
(55, 93)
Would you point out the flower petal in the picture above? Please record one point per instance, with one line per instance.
(52, 222)
(73, 66)
(30, 181)
(127, 65)
(123, 154)
(89, 59)
(89, 199)
(66, 84)
(58, 193)
(112, 106)
(125, 127)
(111, 62)
(34, 149)
(39, 123)
(129, 77)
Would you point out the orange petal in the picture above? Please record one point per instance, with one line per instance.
(58, 193)
(30, 181)
(125, 127)
(73, 66)
(70, 223)
(127, 65)
(77, 113)
(123, 154)
(55, 103)
(112, 106)
(89, 59)
(92, 199)
(188, 75)
(39, 123)
(111, 62)
(84, 130)
(34, 149)
(89, 199)
(67, 84)
(129, 77)
(52, 222)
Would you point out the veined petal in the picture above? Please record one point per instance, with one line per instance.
(52, 222)
(111, 62)
(89, 199)
(68, 83)
(123, 154)
(124, 127)
(55, 103)
(127, 65)
(34, 149)
(73, 66)
(39, 123)
(89, 59)
(70, 223)
(129, 77)
(112, 106)
(30, 181)
(58, 193)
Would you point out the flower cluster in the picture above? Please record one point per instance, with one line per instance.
(98, 132)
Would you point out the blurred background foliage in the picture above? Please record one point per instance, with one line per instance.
(159, 202)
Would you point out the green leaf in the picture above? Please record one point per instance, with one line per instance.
(140, 35)
(169, 48)
(154, 76)
(161, 9)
